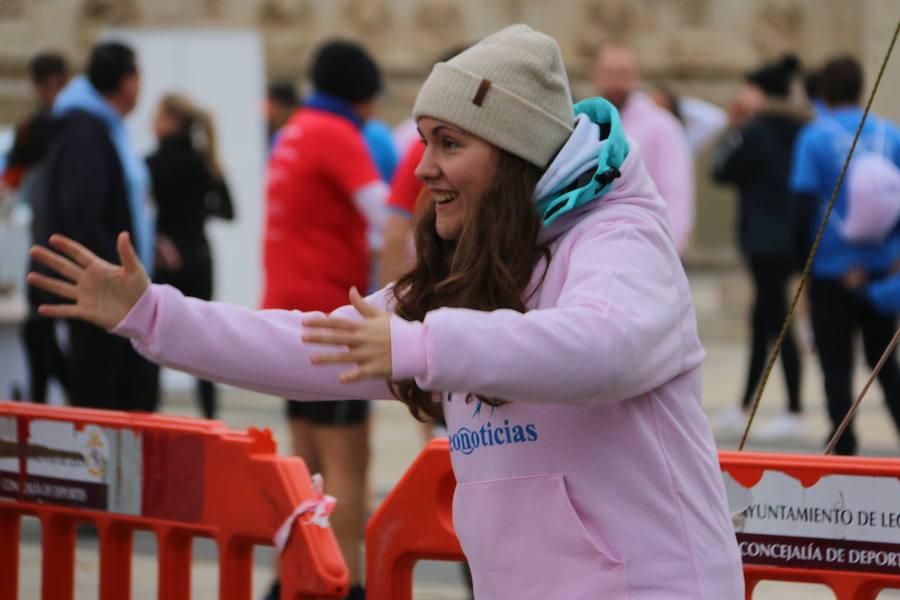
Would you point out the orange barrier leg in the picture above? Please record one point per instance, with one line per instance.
(413, 522)
(115, 560)
(235, 570)
(174, 551)
(58, 557)
(855, 590)
(9, 554)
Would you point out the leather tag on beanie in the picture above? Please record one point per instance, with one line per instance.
(478, 100)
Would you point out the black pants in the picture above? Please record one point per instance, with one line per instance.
(837, 315)
(105, 371)
(770, 276)
(45, 359)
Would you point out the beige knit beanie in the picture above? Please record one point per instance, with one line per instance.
(509, 89)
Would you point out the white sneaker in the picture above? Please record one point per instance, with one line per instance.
(730, 422)
(785, 426)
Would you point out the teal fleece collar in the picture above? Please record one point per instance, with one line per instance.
(589, 185)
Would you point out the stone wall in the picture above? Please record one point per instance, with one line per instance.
(702, 46)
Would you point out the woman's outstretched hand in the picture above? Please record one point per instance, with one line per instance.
(102, 292)
(368, 342)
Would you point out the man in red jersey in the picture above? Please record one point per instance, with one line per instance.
(324, 214)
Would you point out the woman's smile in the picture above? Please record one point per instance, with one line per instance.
(442, 198)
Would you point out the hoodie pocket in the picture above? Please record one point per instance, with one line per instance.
(524, 540)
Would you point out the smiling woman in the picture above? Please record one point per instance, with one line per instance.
(458, 169)
(547, 317)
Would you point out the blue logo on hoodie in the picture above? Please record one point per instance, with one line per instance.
(468, 441)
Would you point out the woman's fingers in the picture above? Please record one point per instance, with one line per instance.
(72, 249)
(331, 323)
(333, 338)
(127, 255)
(367, 342)
(365, 309)
(362, 371)
(57, 262)
(61, 288)
(60, 311)
(351, 376)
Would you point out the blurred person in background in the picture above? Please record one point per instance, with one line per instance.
(96, 185)
(755, 156)
(398, 255)
(189, 187)
(24, 173)
(812, 86)
(281, 102)
(663, 143)
(837, 312)
(380, 142)
(324, 215)
(702, 121)
(49, 72)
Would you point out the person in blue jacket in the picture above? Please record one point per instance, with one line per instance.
(837, 312)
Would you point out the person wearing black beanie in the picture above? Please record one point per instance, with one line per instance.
(345, 70)
(774, 79)
(755, 156)
(325, 210)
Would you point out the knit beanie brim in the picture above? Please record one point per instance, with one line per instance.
(509, 89)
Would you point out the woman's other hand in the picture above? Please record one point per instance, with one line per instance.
(102, 293)
(367, 342)
(167, 255)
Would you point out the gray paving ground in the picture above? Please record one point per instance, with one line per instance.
(721, 302)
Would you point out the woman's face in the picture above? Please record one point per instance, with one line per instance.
(163, 124)
(457, 169)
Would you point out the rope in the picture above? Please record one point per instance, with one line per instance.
(815, 247)
(849, 416)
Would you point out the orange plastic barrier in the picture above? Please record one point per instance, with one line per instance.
(414, 522)
(177, 477)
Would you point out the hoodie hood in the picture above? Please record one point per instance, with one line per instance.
(632, 185)
(586, 166)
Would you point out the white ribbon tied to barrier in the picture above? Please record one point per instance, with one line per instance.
(318, 509)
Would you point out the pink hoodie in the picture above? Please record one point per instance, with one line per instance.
(667, 154)
(599, 479)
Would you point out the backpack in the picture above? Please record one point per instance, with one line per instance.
(873, 189)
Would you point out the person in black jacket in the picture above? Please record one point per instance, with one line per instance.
(96, 186)
(756, 156)
(25, 173)
(188, 187)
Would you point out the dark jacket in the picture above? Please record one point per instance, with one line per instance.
(84, 195)
(757, 159)
(186, 194)
(33, 136)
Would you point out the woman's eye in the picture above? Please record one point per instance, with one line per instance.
(450, 144)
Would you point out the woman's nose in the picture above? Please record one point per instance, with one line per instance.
(427, 167)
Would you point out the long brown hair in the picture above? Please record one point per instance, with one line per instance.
(197, 123)
(488, 268)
